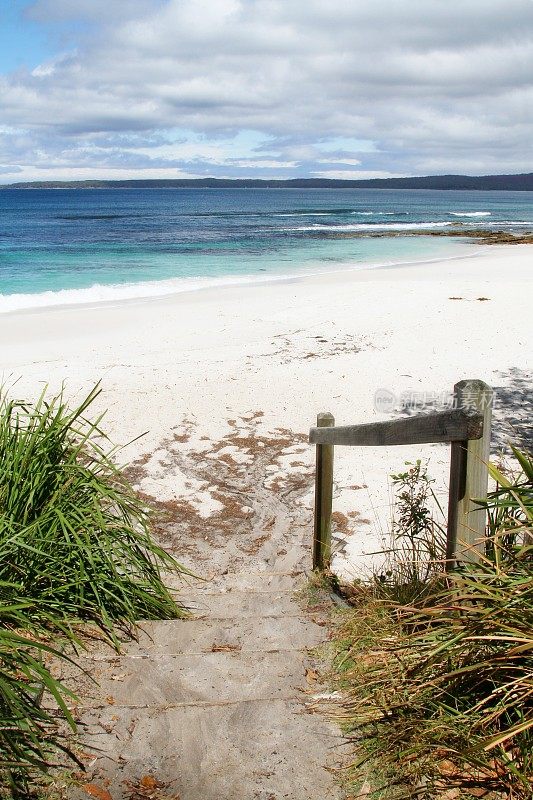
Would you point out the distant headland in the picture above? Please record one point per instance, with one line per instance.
(520, 183)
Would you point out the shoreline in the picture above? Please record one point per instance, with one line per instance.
(224, 282)
(479, 237)
(193, 367)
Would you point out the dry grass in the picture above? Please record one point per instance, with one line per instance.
(438, 687)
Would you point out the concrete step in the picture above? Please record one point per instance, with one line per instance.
(163, 681)
(256, 750)
(247, 604)
(207, 635)
(255, 581)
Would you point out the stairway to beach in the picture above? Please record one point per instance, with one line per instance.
(221, 706)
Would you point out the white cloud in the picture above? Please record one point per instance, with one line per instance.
(399, 88)
(49, 67)
(353, 174)
(351, 162)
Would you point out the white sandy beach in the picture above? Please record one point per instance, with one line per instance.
(194, 368)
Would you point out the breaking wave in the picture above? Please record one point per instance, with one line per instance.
(373, 226)
(470, 213)
(145, 290)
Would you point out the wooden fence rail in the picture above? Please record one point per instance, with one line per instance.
(466, 427)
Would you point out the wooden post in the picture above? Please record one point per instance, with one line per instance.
(323, 497)
(469, 478)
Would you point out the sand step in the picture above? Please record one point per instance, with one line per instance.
(254, 634)
(261, 749)
(216, 707)
(244, 604)
(253, 581)
(163, 681)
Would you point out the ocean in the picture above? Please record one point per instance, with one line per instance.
(73, 246)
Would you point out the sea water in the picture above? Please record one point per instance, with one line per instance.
(92, 245)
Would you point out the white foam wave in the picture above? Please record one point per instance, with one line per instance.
(511, 222)
(303, 214)
(470, 213)
(117, 293)
(108, 293)
(376, 226)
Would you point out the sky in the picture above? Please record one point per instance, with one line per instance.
(117, 89)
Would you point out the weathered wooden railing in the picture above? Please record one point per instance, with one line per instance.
(466, 426)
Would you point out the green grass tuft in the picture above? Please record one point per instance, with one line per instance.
(75, 547)
(73, 533)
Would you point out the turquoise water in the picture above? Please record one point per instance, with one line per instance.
(68, 246)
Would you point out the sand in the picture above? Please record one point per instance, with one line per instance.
(229, 371)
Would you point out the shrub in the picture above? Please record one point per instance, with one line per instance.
(29, 731)
(444, 693)
(73, 533)
(75, 547)
(417, 551)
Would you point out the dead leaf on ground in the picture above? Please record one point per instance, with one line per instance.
(312, 676)
(96, 791)
(148, 788)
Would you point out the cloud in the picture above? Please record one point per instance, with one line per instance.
(406, 88)
(49, 67)
(353, 174)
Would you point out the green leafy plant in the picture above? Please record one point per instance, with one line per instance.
(30, 735)
(510, 509)
(418, 541)
(75, 547)
(73, 533)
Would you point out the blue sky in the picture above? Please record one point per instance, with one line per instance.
(264, 88)
(21, 40)
(27, 42)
